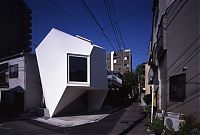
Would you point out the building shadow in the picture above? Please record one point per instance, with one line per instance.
(103, 126)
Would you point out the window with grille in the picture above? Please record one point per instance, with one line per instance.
(177, 88)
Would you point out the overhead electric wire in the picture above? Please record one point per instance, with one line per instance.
(96, 21)
(117, 25)
(111, 11)
(75, 18)
(101, 33)
(132, 13)
(89, 26)
(113, 27)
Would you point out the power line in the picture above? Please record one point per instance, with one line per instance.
(113, 27)
(69, 14)
(117, 25)
(102, 33)
(111, 11)
(92, 15)
(78, 20)
(132, 13)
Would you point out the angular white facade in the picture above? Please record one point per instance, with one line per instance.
(70, 67)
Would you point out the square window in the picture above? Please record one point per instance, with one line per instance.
(177, 88)
(13, 71)
(77, 67)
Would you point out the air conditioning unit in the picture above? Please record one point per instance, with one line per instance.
(172, 123)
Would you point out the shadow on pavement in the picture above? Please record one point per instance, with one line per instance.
(132, 126)
(103, 126)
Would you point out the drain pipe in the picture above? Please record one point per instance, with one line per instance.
(152, 103)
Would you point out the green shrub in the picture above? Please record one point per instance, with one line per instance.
(147, 99)
(168, 131)
(189, 127)
(148, 110)
(157, 126)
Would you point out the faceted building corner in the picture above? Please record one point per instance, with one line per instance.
(73, 73)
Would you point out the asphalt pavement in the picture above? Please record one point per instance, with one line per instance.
(129, 120)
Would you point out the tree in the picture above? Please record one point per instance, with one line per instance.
(128, 80)
(139, 79)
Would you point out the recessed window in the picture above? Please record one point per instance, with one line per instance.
(4, 75)
(77, 68)
(13, 71)
(177, 88)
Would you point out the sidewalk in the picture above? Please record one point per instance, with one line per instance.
(131, 122)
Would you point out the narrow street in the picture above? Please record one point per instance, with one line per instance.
(130, 120)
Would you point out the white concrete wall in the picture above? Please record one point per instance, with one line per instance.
(52, 60)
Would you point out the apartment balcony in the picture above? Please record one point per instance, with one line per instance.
(114, 80)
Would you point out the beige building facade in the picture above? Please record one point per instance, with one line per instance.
(120, 61)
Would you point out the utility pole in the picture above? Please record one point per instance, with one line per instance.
(139, 91)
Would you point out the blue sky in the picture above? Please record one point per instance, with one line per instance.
(73, 18)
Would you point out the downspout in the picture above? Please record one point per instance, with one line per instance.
(152, 103)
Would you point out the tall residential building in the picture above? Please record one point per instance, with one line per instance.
(120, 61)
(15, 27)
(174, 56)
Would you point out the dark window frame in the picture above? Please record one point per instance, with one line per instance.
(73, 78)
(13, 71)
(4, 78)
(177, 88)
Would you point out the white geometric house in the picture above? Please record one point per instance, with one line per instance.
(73, 73)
